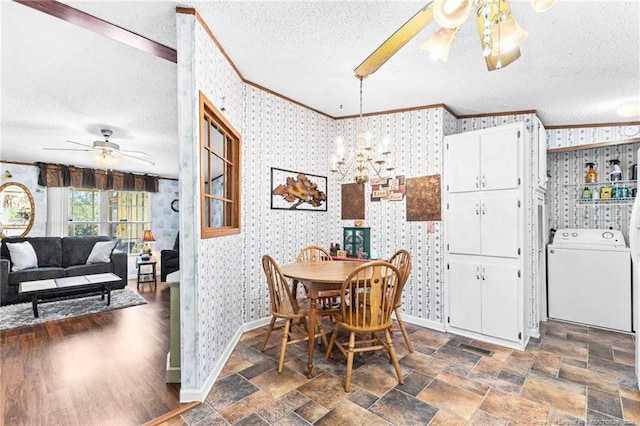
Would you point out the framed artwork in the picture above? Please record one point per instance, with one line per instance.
(390, 189)
(423, 198)
(298, 191)
(352, 201)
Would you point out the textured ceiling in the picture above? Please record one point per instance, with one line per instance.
(59, 81)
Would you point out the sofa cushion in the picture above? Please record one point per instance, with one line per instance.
(76, 250)
(94, 268)
(48, 249)
(34, 274)
(22, 256)
(101, 252)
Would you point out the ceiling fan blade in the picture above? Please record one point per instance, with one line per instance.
(135, 153)
(67, 149)
(138, 159)
(81, 144)
(394, 43)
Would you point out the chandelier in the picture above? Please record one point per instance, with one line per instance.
(499, 32)
(365, 159)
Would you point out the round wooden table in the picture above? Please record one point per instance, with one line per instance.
(317, 277)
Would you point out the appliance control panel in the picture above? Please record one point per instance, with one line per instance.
(594, 237)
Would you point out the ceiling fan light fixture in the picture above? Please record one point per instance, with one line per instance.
(451, 13)
(105, 159)
(506, 35)
(542, 5)
(439, 44)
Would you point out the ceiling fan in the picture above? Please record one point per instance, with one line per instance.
(500, 34)
(107, 153)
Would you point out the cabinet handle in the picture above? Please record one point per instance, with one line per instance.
(477, 208)
(477, 273)
(477, 182)
(484, 181)
(483, 274)
(484, 209)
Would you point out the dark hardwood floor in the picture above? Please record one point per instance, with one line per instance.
(99, 369)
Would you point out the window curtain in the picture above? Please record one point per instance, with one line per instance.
(56, 175)
(57, 211)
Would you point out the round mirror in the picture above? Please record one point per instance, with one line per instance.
(17, 210)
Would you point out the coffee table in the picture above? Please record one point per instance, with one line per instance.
(56, 288)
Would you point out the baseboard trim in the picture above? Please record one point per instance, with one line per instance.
(188, 395)
(434, 325)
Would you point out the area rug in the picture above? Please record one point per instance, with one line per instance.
(21, 314)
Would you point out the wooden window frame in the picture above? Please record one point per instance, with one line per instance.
(232, 160)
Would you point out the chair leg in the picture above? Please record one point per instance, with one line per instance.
(352, 344)
(392, 355)
(321, 331)
(332, 341)
(266, 338)
(403, 329)
(283, 348)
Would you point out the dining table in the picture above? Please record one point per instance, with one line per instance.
(318, 277)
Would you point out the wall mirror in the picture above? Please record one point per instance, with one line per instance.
(17, 210)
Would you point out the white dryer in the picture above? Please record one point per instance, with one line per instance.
(589, 278)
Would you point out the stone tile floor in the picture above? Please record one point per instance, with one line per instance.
(572, 375)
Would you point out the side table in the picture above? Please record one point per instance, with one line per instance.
(147, 272)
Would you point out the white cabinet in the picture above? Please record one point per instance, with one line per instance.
(483, 225)
(482, 162)
(487, 224)
(482, 298)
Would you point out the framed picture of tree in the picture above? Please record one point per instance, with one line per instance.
(298, 191)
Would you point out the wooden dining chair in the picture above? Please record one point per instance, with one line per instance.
(285, 306)
(367, 294)
(318, 254)
(401, 260)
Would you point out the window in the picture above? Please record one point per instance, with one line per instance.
(128, 218)
(219, 173)
(120, 214)
(84, 212)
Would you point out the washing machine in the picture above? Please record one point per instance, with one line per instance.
(589, 278)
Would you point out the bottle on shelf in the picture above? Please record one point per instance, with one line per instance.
(586, 194)
(591, 176)
(616, 172)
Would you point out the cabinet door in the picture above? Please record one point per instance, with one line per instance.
(500, 301)
(462, 167)
(499, 159)
(463, 225)
(465, 296)
(499, 226)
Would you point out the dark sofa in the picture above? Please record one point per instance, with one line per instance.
(170, 260)
(57, 258)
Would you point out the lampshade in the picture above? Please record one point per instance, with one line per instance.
(451, 13)
(147, 236)
(439, 45)
(542, 5)
(506, 35)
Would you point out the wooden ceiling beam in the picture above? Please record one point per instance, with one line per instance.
(99, 26)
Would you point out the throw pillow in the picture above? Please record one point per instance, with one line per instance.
(101, 252)
(23, 256)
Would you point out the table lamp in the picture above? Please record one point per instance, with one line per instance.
(147, 237)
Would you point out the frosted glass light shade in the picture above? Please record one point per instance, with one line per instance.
(542, 5)
(506, 36)
(439, 45)
(451, 13)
